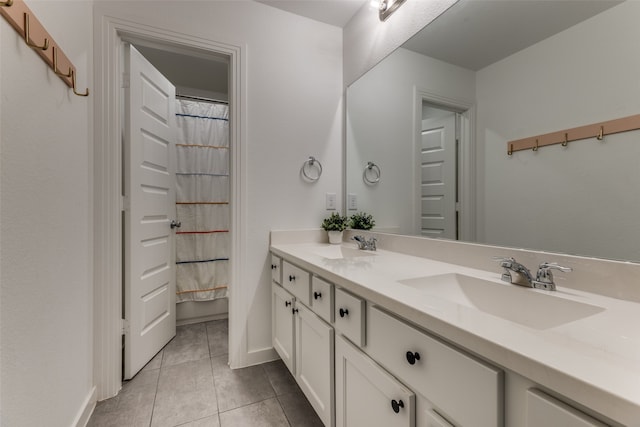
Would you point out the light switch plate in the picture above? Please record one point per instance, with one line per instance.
(330, 201)
(352, 201)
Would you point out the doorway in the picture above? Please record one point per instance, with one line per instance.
(444, 166)
(108, 260)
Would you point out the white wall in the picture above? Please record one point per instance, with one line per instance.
(381, 129)
(45, 224)
(294, 110)
(583, 199)
(367, 40)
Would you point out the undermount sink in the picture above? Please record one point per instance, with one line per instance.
(518, 304)
(341, 252)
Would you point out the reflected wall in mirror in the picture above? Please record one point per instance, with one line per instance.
(554, 66)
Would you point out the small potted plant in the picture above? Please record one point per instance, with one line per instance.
(335, 224)
(361, 221)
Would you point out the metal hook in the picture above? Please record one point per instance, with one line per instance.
(600, 136)
(566, 139)
(7, 3)
(45, 46)
(510, 150)
(73, 85)
(55, 64)
(535, 148)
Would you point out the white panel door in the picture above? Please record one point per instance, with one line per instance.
(437, 176)
(149, 175)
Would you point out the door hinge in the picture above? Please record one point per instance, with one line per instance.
(126, 80)
(457, 206)
(124, 324)
(125, 204)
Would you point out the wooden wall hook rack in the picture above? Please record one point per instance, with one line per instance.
(22, 19)
(563, 137)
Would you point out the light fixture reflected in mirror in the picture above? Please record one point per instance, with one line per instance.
(387, 7)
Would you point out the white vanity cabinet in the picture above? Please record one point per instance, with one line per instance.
(305, 343)
(465, 390)
(366, 395)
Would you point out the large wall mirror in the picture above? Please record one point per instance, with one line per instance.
(435, 116)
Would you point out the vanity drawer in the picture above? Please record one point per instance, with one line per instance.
(463, 389)
(544, 410)
(322, 298)
(276, 269)
(349, 315)
(296, 281)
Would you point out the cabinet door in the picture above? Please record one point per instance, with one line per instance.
(366, 395)
(314, 362)
(282, 325)
(545, 411)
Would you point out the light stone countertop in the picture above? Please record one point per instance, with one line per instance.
(594, 361)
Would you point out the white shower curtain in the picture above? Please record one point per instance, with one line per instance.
(202, 201)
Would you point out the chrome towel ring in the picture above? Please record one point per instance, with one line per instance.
(309, 164)
(371, 173)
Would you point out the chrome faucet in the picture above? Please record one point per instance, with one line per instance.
(515, 273)
(518, 274)
(364, 244)
(544, 278)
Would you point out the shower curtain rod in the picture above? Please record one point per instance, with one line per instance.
(198, 98)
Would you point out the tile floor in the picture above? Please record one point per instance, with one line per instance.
(189, 384)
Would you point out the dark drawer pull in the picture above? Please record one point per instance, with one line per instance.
(317, 295)
(344, 312)
(396, 405)
(412, 357)
(287, 303)
(292, 278)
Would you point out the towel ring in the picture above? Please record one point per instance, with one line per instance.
(371, 169)
(310, 163)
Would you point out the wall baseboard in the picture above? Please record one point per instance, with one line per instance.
(89, 404)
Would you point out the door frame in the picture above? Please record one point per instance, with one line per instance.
(466, 168)
(109, 35)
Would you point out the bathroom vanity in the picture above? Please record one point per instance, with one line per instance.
(387, 338)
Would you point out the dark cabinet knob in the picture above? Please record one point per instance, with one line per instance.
(396, 405)
(294, 310)
(317, 295)
(287, 303)
(273, 266)
(344, 312)
(412, 357)
(292, 278)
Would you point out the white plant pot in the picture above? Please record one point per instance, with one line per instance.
(335, 237)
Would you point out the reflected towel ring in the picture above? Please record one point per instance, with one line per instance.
(312, 161)
(371, 169)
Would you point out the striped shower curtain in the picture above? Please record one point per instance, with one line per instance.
(202, 201)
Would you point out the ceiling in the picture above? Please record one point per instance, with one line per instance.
(475, 33)
(334, 12)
